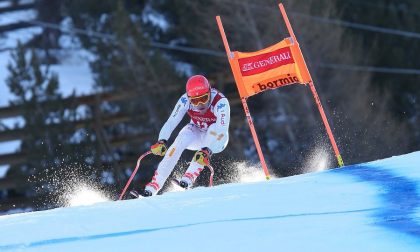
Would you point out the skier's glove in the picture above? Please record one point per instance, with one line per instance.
(202, 156)
(159, 148)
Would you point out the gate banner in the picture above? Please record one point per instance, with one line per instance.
(275, 66)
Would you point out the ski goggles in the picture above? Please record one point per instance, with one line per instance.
(201, 99)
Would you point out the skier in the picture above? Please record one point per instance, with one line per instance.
(206, 133)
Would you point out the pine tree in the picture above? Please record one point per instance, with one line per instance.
(51, 143)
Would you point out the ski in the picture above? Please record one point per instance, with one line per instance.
(176, 183)
(133, 194)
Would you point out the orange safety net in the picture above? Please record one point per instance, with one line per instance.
(275, 66)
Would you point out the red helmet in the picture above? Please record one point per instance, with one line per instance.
(197, 85)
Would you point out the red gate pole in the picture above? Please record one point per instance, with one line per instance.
(243, 99)
(327, 126)
(255, 137)
(314, 93)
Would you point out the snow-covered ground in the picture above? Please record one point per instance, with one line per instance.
(367, 207)
(17, 16)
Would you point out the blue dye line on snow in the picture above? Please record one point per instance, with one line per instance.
(399, 195)
(140, 231)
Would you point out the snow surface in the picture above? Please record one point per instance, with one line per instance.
(17, 16)
(367, 207)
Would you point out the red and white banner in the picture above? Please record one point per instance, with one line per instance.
(266, 61)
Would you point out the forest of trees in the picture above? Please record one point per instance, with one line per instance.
(374, 112)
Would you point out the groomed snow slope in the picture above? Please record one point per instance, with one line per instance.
(368, 207)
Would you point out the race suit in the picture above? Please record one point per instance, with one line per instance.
(209, 129)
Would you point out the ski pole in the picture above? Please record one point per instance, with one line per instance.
(133, 174)
(211, 174)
